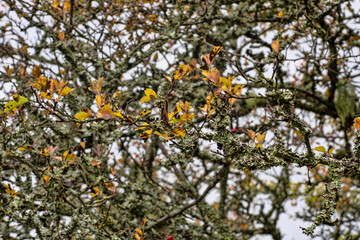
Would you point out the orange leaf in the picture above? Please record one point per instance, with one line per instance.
(97, 190)
(61, 36)
(82, 144)
(46, 179)
(276, 46)
(110, 186)
(213, 75)
(357, 123)
(36, 71)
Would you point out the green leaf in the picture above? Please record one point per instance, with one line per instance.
(18, 100)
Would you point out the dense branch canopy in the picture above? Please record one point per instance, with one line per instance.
(135, 119)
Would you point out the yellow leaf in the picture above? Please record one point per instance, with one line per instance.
(150, 95)
(169, 79)
(146, 134)
(55, 3)
(82, 144)
(143, 113)
(26, 148)
(280, 14)
(260, 137)
(139, 231)
(144, 222)
(118, 114)
(10, 191)
(137, 236)
(67, 6)
(65, 91)
(331, 150)
(100, 99)
(276, 46)
(179, 132)
(96, 86)
(83, 114)
(164, 135)
(320, 149)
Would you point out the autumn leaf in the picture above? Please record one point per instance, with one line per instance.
(169, 79)
(55, 3)
(276, 46)
(70, 158)
(179, 132)
(357, 123)
(144, 222)
(96, 86)
(105, 112)
(248, 132)
(143, 113)
(139, 231)
(181, 71)
(118, 114)
(146, 134)
(260, 138)
(26, 148)
(46, 179)
(97, 191)
(320, 149)
(10, 191)
(61, 36)
(280, 14)
(36, 71)
(96, 163)
(83, 114)
(137, 236)
(110, 186)
(150, 95)
(209, 58)
(164, 135)
(67, 6)
(100, 100)
(113, 171)
(8, 70)
(213, 76)
(18, 100)
(65, 91)
(331, 150)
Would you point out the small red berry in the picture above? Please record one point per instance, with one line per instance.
(169, 238)
(234, 130)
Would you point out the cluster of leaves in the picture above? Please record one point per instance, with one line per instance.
(161, 145)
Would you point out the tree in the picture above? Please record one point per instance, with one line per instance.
(130, 119)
